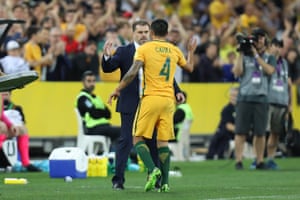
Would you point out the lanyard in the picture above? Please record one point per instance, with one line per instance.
(279, 66)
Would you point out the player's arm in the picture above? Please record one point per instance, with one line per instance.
(128, 77)
(131, 74)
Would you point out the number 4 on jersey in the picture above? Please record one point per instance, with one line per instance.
(165, 71)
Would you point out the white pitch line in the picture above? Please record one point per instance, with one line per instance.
(135, 187)
(260, 197)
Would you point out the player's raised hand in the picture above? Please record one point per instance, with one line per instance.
(192, 44)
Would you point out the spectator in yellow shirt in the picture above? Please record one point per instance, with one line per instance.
(72, 17)
(248, 20)
(33, 52)
(219, 13)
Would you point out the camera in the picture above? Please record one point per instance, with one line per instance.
(246, 42)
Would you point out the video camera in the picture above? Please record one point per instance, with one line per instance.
(246, 43)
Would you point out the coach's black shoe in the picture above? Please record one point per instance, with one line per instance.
(239, 166)
(157, 185)
(32, 168)
(118, 186)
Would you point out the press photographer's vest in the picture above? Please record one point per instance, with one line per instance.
(188, 116)
(279, 93)
(98, 103)
(254, 82)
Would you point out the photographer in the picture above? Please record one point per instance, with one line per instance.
(253, 69)
(280, 102)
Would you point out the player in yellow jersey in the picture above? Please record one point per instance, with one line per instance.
(158, 58)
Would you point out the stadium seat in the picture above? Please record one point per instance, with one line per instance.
(181, 149)
(90, 143)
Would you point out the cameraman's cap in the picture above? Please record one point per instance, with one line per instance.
(259, 32)
(277, 42)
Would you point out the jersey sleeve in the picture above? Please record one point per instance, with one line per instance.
(139, 54)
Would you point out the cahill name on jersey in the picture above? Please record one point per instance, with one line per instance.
(160, 59)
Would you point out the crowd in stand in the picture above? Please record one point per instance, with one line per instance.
(61, 39)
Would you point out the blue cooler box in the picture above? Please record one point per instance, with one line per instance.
(68, 161)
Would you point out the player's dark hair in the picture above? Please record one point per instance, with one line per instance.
(159, 27)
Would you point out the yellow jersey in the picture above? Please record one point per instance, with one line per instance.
(32, 53)
(160, 59)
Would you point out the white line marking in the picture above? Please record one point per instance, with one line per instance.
(260, 197)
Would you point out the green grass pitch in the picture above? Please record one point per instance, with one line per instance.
(208, 180)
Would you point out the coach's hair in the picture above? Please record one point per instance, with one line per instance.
(139, 23)
(159, 27)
